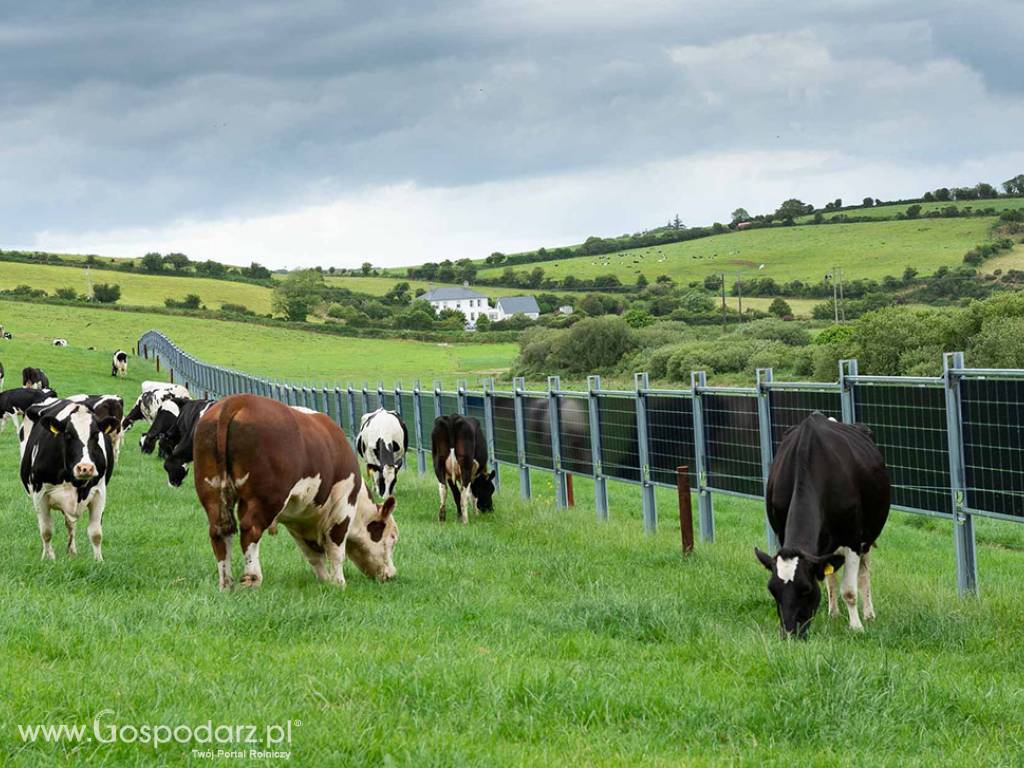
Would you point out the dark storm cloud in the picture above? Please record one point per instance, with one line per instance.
(125, 114)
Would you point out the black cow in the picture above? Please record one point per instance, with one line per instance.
(460, 462)
(173, 429)
(14, 403)
(35, 378)
(66, 464)
(828, 499)
(1, 375)
(119, 364)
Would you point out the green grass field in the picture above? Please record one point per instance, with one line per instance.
(806, 253)
(529, 637)
(136, 289)
(378, 286)
(294, 355)
(882, 211)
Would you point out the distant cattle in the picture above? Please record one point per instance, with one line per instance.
(460, 463)
(14, 403)
(119, 364)
(35, 378)
(148, 403)
(1, 376)
(284, 465)
(66, 464)
(828, 499)
(382, 443)
(105, 407)
(173, 429)
(7, 336)
(60, 342)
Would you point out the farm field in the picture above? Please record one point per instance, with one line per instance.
(378, 286)
(300, 356)
(882, 211)
(136, 288)
(868, 250)
(531, 636)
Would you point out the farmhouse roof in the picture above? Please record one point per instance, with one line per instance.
(451, 294)
(511, 305)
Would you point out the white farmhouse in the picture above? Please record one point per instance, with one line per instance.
(467, 301)
(518, 305)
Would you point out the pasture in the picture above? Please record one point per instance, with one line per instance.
(868, 250)
(378, 286)
(882, 211)
(530, 636)
(300, 356)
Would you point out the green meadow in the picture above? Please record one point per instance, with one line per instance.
(882, 211)
(531, 636)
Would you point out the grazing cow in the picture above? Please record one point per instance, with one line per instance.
(105, 406)
(66, 464)
(119, 365)
(148, 403)
(7, 336)
(1, 376)
(382, 443)
(35, 378)
(294, 467)
(14, 403)
(174, 428)
(460, 463)
(60, 342)
(828, 500)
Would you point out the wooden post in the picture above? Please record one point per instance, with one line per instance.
(171, 372)
(157, 363)
(570, 500)
(685, 508)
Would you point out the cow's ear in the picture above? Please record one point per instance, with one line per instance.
(387, 507)
(493, 474)
(765, 558)
(54, 425)
(826, 565)
(108, 425)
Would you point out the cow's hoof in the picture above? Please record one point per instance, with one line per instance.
(833, 612)
(49, 554)
(869, 616)
(97, 556)
(250, 580)
(226, 584)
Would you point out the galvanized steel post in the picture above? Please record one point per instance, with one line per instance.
(705, 509)
(650, 511)
(561, 493)
(417, 418)
(518, 384)
(764, 433)
(600, 481)
(847, 402)
(963, 522)
(492, 456)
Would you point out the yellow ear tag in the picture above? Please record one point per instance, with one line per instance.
(53, 429)
(108, 430)
(829, 570)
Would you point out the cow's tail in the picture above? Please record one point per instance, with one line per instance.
(223, 480)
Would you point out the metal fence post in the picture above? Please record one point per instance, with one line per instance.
(847, 368)
(650, 511)
(561, 494)
(963, 522)
(398, 403)
(492, 460)
(600, 481)
(518, 384)
(366, 397)
(460, 396)
(417, 418)
(352, 410)
(339, 405)
(705, 509)
(764, 432)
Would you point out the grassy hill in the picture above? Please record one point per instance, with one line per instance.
(378, 286)
(883, 211)
(866, 250)
(295, 355)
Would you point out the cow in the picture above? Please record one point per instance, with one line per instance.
(119, 364)
(7, 336)
(382, 443)
(148, 403)
(60, 342)
(14, 403)
(35, 378)
(66, 464)
(460, 463)
(2, 372)
(827, 498)
(105, 406)
(173, 429)
(288, 466)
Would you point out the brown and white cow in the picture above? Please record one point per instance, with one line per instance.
(293, 467)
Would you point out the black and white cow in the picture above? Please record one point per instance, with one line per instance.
(173, 430)
(460, 463)
(60, 342)
(14, 403)
(105, 406)
(66, 464)
(828, 499)
(148, 403)
(7, 336)
(35, 378)
(2, 373)
(119, 364)
(382, 443)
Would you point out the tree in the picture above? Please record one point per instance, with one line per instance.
(638, 318)
(677, 224)
(868, 202)
(191, 301)
(296, 295)
(257, 272)
(67, 294)
(420, 316)
(398, 294)
(495, 258)
(914, 211)
(909, 274)
(780, 307)
(210, 268)
(179, 261)
(152, 262)
(536, 277)
(106, 293)
(740, 214)
(642, 281)
(366, 268)
(465, 270)
(942, 194)
(713, 282)
(483, 323)
(1014, 186)
(792, 208)
(592, 305)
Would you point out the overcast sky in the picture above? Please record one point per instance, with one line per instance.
(334, 133)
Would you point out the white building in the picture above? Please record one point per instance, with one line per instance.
(470, 303)
(518, 305)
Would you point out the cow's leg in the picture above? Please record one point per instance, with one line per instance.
(864, 585)
(313, 553)
(45, 524)
(220, 515)
(334, 549)
(222, 553)
(851, 570)
(97, 504)
(69, 524)
(442, 491)
(465, 502)
(251, 531)
(831, 587)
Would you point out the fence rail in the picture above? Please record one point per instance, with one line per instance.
(954, 444)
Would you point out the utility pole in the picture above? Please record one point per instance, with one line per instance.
(739, 294)
(723, 300)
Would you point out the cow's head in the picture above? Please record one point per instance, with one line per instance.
(794, 584)
(82, 440)
(371, 539)
(482, 488)
(165, 419)
(385, 474)
(176, 470)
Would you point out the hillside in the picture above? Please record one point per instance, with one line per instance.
(884, 211)
(864, 250)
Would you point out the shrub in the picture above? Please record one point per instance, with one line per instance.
(67, 294)
(106, 293)
(774, 329)
(638, 318)
(236, 309)
(780, 307)
(191, 301)
(336, 310)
